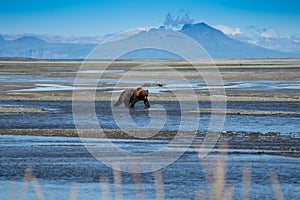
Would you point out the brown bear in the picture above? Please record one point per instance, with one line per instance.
(130, 96)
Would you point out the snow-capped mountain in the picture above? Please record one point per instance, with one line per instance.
(219, 45)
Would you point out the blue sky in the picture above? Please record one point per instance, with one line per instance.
(99, 17)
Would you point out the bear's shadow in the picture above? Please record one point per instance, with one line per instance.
(140, 116)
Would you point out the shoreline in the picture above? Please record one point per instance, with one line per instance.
(162, 96)
(261, 142)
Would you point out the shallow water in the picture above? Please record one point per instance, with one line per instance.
(60, 115)
(66, 84)
(60, 165)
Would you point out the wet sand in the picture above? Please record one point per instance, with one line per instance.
(13, 109)
(261, 142)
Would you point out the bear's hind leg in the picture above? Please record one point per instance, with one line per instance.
(119, 102)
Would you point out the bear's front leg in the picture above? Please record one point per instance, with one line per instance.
(132, 101)
(147, 104)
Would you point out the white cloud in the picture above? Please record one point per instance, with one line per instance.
(268, 38)
(228, 30)
(296, 37)
(269, 33)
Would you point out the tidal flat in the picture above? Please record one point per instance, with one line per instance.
(243, 79)
(256, 154)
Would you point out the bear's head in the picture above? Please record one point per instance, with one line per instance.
(142, 95)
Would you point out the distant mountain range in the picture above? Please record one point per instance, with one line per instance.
(33, 47)
(215, 42)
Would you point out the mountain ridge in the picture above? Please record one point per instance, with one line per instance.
(222, 46)
(34, 47)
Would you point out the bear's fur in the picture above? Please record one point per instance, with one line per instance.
(130, 96)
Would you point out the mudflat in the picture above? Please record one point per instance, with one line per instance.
(243, 79)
